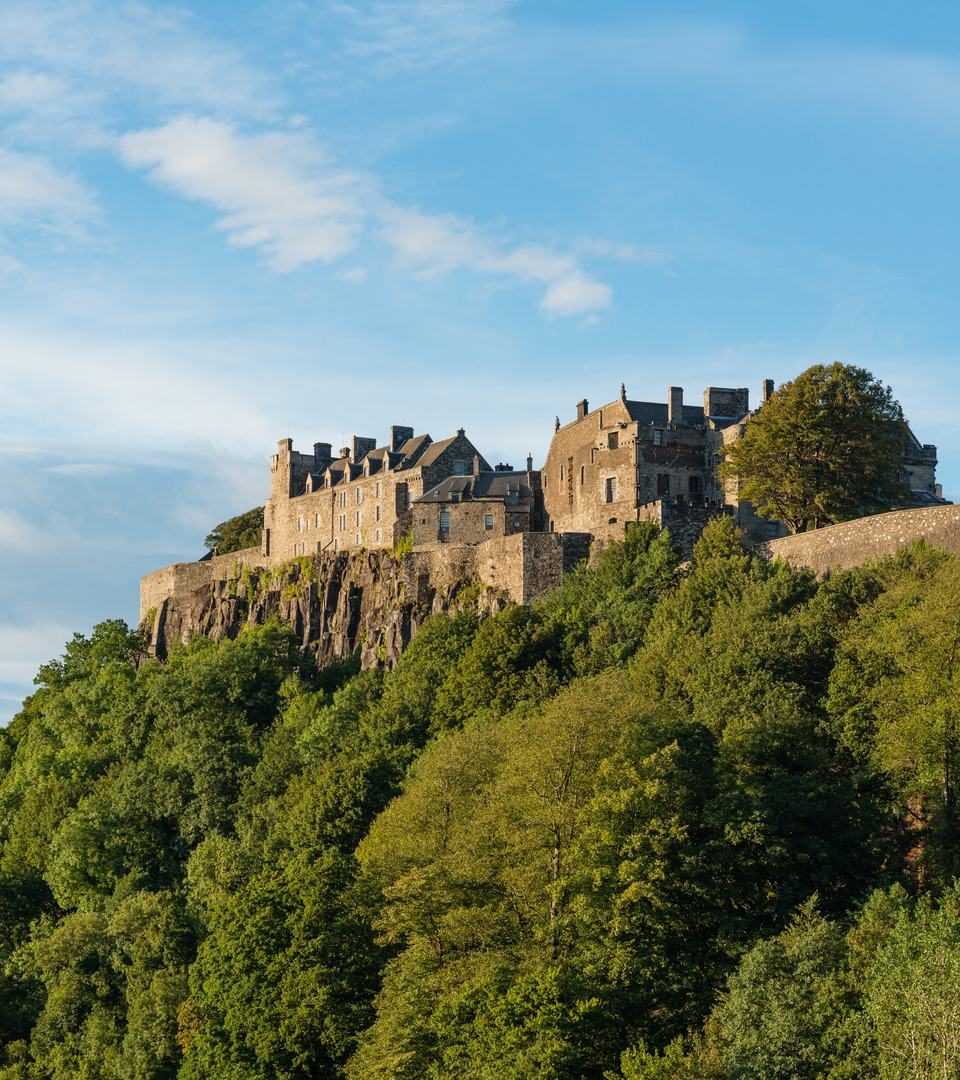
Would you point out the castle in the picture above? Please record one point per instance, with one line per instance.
(624, 462)
(357, 550)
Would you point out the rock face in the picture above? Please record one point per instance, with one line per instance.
(336, 604)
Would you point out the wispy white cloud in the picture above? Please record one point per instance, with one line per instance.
(279, 193)
(84, 468)
(434, 244)
(161, 54)
(18, 535)
(276, 191)
(32, 189)
(405, 36)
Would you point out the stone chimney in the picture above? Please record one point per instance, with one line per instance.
(345, 451)
(321, 454)
(476, 464)
(767, 390)
(503, 468)
(362, 446)
(675, 405)
(399, 435)
(583, 407)
(529, 463)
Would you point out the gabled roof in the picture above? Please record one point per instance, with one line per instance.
(411, 450)
(487, 485)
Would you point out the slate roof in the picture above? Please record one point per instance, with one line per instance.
(488, 485)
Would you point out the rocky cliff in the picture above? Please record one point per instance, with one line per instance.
(335, 603)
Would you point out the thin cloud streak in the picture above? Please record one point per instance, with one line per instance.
(280, 194)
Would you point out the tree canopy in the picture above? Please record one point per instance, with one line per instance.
(237, 533)
(824, 448)
(671, 822)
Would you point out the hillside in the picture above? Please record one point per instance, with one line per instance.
(665, 822)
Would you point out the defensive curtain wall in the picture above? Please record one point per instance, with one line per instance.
(852, 543)
(329, 596)
(342, 601)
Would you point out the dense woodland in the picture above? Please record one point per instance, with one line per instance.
(696, 822)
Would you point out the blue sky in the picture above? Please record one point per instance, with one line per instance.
(226, 223)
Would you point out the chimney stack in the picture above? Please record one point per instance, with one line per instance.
(476, 464)
(399, 434)
(767, 389)
(675, 405)
(529, 463)
(583, 407)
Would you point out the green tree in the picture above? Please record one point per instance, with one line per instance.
(825, 448)
(237, 533)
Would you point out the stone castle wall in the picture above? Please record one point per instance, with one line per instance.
(852, 543)
(341, 602)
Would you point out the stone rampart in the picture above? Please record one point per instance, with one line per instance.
(522, 567)
(181, 579)
(852, 543)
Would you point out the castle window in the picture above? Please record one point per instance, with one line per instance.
(336, 543)
(444, 521)
(317, 521)
(343, 499)
(613, 440)
(378, 512)
(610, 489)
(319, 546)
(663, 484)
(379, 537)
(358, 540)
(299, 524)
(379, 489)
(461, 467)
(343, 522)
(359, 496)
(488, 521)
(657, 437)
(358, 517)
(696, 485)
(583, 473)
(516, 523)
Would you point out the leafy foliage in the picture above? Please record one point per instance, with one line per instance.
(670, 822)
(826, 447)
(237, 533)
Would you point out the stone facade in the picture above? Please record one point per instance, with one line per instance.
(359, 500)
(607, 465)
(474, 509)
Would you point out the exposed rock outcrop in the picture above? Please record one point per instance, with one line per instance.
(336, 604)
